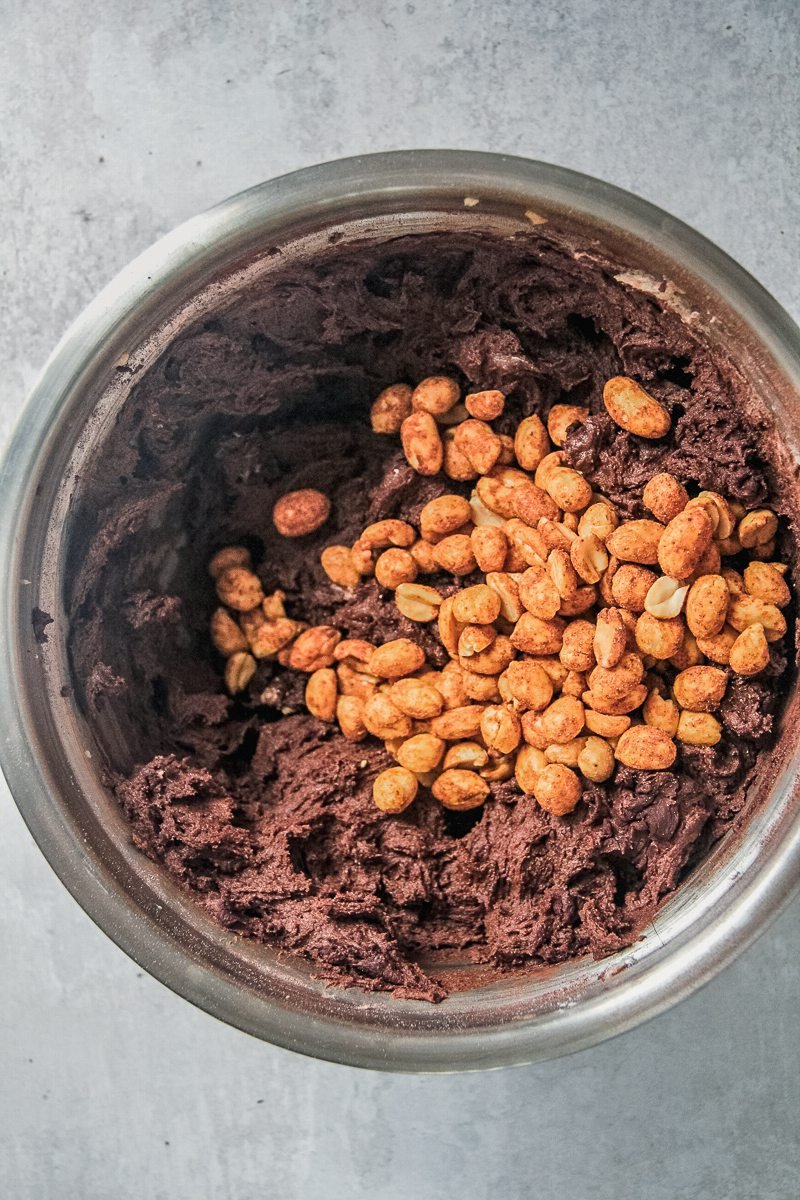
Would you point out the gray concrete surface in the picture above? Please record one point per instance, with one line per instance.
(116, 122)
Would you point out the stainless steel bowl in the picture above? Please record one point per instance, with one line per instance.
(49, 755)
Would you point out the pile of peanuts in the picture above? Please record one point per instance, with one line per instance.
(590, 641)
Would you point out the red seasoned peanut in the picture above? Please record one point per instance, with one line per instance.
(422, 444)
(466, 756)
(559, 419)
(562, 720)
(577, 648)
(757, 528)
(700, 688)
(299, 513)
(454, 554)
(661, 713)
(485, 405)
(418, 602)
(460, 790)
(610, 637)
(490, 546)
(511, 608)
(636, 542)
(449, 628)
(474, 639)
(479, 444)
(389, 532)
(495, 490)
(337, 563)
(529, 763)
(659, 638)
(557, 789)
(423, 556)
(707, 605)
(384, 719)
(645, 748)
(718, 647)
(596, 760)
(493, 660)
(562, 572)
(226, 635)
(684, 542)
(532, 635)
(531, 443)
(322, 692)
(630, 586)
(766, 583)
(698, 728)
(604, 725)
(749, 610)
(395, 658)
(394, 789)
(609, 707)
(391, 408)
(452, 687)
(416, 699)
(579, 602)
(455, 464)
(478, 605)
(436, 394)
(569, 489)
(538, 593)
(634, 409)
(483, 689)
(526, 685)
(749, 654)
(443, 515)
(665, 497)
(600, 519)
(394, 567)
(314, 648)
(500, 729)
(350, 717)
(239, 588)
(239, 670)
(589, 557)
(613, 683)
(458, 724)
(421, 753)
(566, 753)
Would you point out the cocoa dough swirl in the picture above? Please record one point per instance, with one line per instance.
(264, 812)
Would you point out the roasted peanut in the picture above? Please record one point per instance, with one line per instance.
(391, 408)
(596, 760)
(485, 406)
(416, 699)
(384, 719)
(577, 646)
(396, 658)
(684, 542)
(443, 515)
(665, 497)
(569, 489)
(659, 638)
(337, 563)
(422, 444)
(423, 556)
(299, 513)
(436, 394)
(489, 546)
(660, 712)
(493, 660)
(562, 720)
(418, 602)
(528, 684)
(634, 409)
(322, 691)
(532, 635)
(314, 648)
(350, 717)
(500, 729)
(454, 554)
(557, 789)
(531, 443)
(610, 639)
(757, 528)
(646, 748)
(529, 762)
(562, 572)
(455, 464)
(449, 628)
(630, 586)
(466, 756)
(589, 557)
(718, 647)
(700, 688)
(666, 597)
(474, 639)
(239, 670)
(390, 532)
(707, 605)
(600, 519)
(538, 593)
(763, 581)
(394, 789)
(478, 605)
(636, 542)
(749, 610)
(698, 728)
(749, 654)
(605, 725)
(394, 567)
(421, 753)
(458, 723)
(239, 588)
(511, 608)
(460, 790)
(226, 635)
(479, 444)
(559, 419)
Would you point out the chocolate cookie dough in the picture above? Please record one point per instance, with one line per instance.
(262, 810)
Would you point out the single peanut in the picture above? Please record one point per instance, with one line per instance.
(396, 658)
(322, 693)
(443, 515)
(422, 444)
(532, 635)
(226, 635)
(479, 444)
(227, 557)
(500, 729)
(421, 753)
(630, 587)
(384, 719)
(577, 646)
(559, 419)
(350, 717)
(646, 748)
(538, 593)
(239, 670)
(478, 605)
(458, 723)
(485, 406)
(763, 581)
(749, 610)
(528, 684)
(299, 513)
(489, 546)
(394, 567)
(389, 532)
(599, 519)
(660, 638)
(466, 756)
(698, 728)
(563, 719)
(239, 588)
(337, 563)
(660, 712)
(391, 408)
(454, 554)
(557, 789)
(707, 605)
(460, 790)
(634, 409)
(596, 760)
(416, 699)
(531, 443)
(700, 688)
(757, 528)
(749, 654)
(394, 789)
(610, 639)
(665, 497)
(684, 542)
(418, 602)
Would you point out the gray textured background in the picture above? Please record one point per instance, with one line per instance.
(119, 120)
